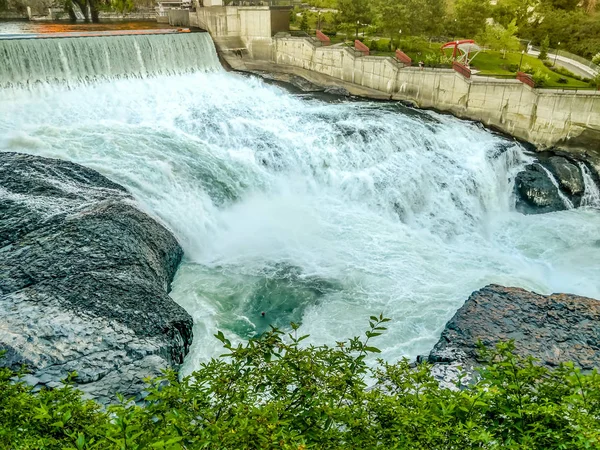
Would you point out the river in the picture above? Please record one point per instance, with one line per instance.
(315, 209)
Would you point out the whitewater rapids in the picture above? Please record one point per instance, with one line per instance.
(310, 209)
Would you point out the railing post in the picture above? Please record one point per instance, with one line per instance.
(462, 69)
(323, 38)
(525, 78)
(403, 58)
(361, 47)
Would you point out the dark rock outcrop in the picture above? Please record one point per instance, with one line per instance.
(569, 177)
(84, 277)
(536, 194)
(552, 328)
(337, 90)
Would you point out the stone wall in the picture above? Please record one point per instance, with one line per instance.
(253, 25)
(543, 117)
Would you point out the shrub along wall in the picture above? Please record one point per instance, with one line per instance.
(274, 392)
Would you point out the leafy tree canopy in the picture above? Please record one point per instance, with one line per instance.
(499, 38)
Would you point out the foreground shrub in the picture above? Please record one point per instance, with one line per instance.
(275, 392)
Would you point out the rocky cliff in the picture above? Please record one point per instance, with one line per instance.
(84, 278)
(552, 328)
(555, 183)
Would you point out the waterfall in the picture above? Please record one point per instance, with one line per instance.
(568, 203)
(310, 208)
(591, 195)
(24, 62)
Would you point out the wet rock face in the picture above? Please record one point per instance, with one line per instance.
(84, 277)
(536, 194)
(554, 328)
(568, 176)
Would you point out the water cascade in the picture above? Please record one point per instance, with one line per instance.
(568, 203)
(77, 59)
(306, 208)
(591, 195)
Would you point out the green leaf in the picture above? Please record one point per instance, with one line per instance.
(80, 442)
(372, 349)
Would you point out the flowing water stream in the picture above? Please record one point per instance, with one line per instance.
(312, 209)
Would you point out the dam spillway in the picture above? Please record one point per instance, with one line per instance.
(84, 57)
(313, 208)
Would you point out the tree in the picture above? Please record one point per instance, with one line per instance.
(544, 48)
(471, 17)
(577, 31)
(506, 10)
(391, 17)
(354, 13)
(123, 6)
(304, 22)
(413, 17)
(499, 38)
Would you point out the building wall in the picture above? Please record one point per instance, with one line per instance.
(220, 21)
(255, 22)
(280, 20)
(179, 17)
(541, 116)
(254, 25)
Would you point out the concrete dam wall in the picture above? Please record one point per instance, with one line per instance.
(544, 117)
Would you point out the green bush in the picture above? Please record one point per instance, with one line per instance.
(562, 80)
(540, 78)
(526, 68)
(513, 68)
(413, 44)
(565, 72)
(383, 45)
(431, 60)
(276, 392)
(379, 45)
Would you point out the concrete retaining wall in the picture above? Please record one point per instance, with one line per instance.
(13, 15)
(543, 117)
(179, 17)
(254, 25)
(146, 14)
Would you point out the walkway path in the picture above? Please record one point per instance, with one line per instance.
(570, 64)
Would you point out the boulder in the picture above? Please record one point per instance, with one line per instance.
(84, 280)
(552, 328)
(536, 194)
(337, 90)
(569, 177)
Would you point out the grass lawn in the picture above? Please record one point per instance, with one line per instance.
(491, 63)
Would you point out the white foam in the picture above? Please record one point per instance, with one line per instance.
(409, 212)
